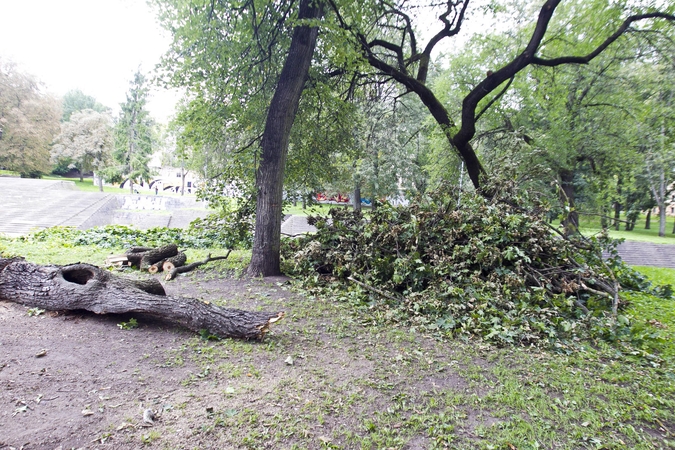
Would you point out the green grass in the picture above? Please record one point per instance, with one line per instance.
(8, 173)
(87, 185)
(591, 225)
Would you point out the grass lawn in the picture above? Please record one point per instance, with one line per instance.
(591, 225)
(356, 384)
(87, 185)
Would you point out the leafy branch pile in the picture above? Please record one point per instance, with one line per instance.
(489, 268)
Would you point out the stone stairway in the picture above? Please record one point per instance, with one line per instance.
(27, 205)
(34, 204)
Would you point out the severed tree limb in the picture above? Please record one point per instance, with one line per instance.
(144, 257)
(172, 274)
(158, 266)
(374, 289)
(87, 287)
(152, 256)
(174, 261)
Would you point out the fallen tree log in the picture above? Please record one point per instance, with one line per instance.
(174, 261)
(87, 287)
(157, 267)
(144, 257)
(172, 274)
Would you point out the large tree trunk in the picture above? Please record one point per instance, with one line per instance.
(265, 258)
(648, 220)
(87, 287)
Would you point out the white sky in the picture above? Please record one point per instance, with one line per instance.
(92, 45)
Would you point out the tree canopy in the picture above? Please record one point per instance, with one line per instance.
(363, 45)
(29, 120)
(85, 142)
(133, 136)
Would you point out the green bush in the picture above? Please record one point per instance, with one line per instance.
(120, 236)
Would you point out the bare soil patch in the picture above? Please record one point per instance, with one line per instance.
(78, 380)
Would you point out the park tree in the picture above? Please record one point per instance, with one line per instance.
(133, 135)
(262, 30)
(29, 120)
(357, 40)
(85, 142)
(265, 259)
(656, 126)
(75, 100)
(401, 54)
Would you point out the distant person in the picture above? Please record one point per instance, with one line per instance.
(156, 190)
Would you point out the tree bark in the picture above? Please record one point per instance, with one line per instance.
(648, 220)
(357, 198)
(571, 220)
(171, 274)
(157, 267)
(265, 259)
(174, 261)
(143, 257)
(87, 287)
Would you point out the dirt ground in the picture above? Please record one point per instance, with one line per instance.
(77, 380)
(325, 377)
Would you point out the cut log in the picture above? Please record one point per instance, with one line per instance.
(157, 267)
(83, 286)
(139, 249)
(170, 275)
(144, 257)
(117, 260)
(152, 256)
(174, 261)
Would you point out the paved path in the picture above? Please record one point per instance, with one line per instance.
(26, 205)
(647, 254)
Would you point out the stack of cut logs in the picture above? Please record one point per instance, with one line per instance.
(162, 259)
(155, 260)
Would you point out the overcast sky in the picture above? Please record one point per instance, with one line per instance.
(91, 45)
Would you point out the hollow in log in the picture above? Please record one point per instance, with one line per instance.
(174, 261)
(83, 286)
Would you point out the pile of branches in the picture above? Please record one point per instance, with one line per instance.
(488, 267)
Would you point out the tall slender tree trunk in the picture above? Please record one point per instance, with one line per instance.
(100, 183)
(662, 203)
(617, 205)
(571, 221)
(265, 259)
(356, 201)
(648, 220)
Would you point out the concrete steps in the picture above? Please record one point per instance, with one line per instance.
(35, 204)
